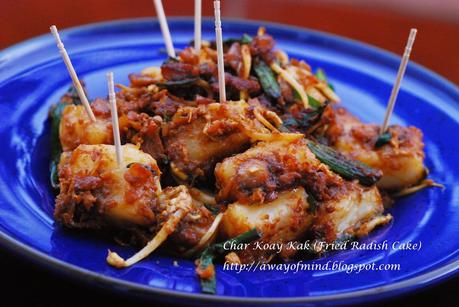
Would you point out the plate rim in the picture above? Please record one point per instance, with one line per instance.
(61, 267)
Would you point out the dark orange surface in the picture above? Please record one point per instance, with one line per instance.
(437, 44)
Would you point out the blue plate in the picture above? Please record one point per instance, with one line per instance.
(33, 76)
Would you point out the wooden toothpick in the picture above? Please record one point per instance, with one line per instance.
(114, 112)
(164, 28)
(197, 26)
(73, 75)
(219, 42)
(398, 80)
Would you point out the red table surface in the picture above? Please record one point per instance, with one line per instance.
(437, 44)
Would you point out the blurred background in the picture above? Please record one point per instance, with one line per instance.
(384, 23)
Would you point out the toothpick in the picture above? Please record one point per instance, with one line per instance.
(197, 26)
(219, 42)
(398, 80)
(73, 75)
(114, 111)
(164, 28)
